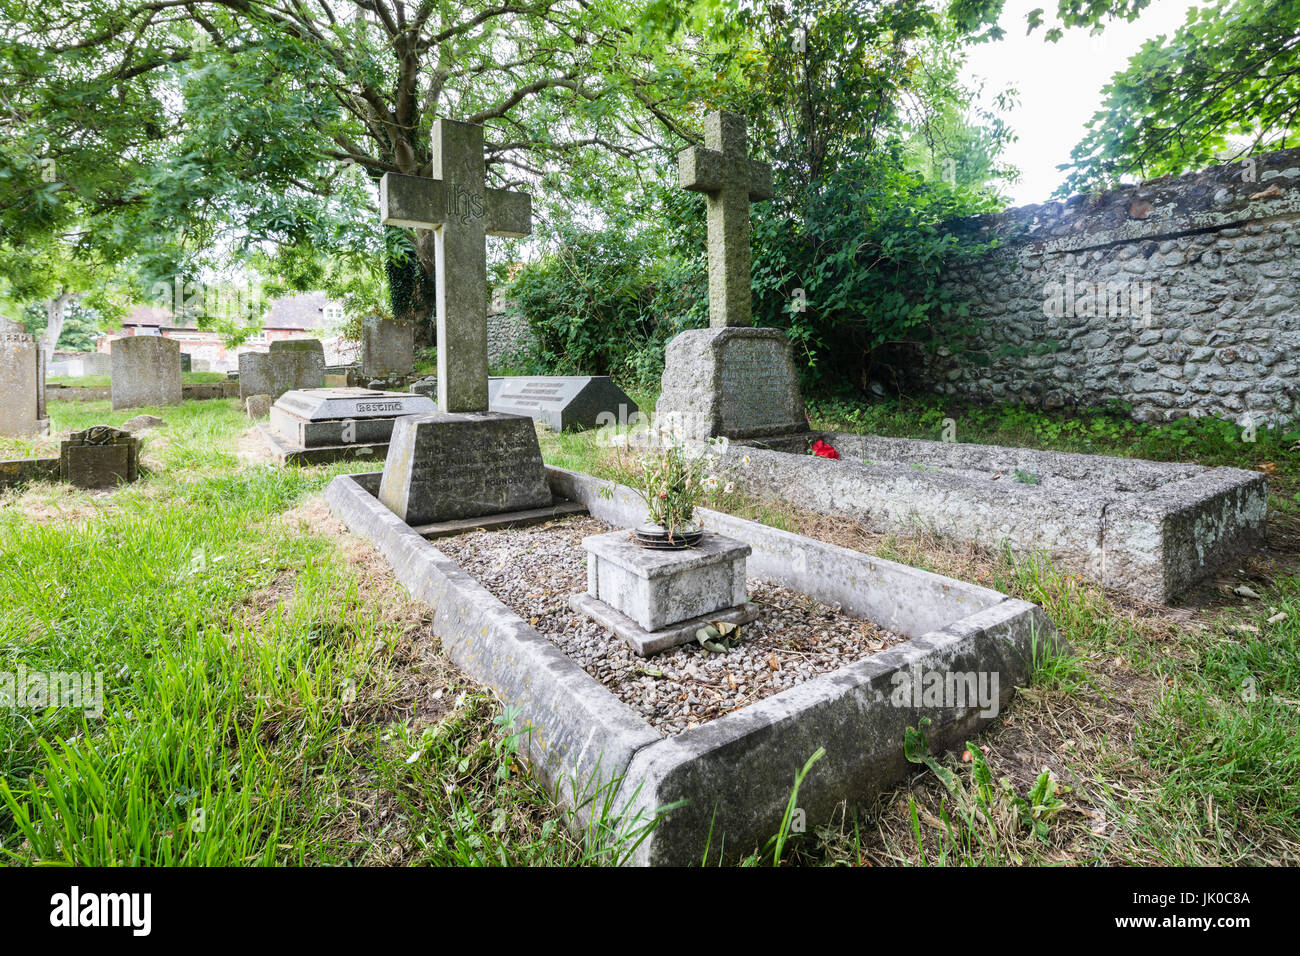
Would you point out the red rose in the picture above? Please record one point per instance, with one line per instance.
(823, 450)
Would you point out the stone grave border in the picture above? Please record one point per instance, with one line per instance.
(735, 772)
(1151, 529)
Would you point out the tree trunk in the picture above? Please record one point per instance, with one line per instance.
(412, 288)
(56, 312)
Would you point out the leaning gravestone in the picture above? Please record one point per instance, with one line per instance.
(730, 379)
(22, 383)
(146, 371)
(387, 347)
(463, 461)
(289, 364)
(319, 425)
(562, 402)
(99, 457)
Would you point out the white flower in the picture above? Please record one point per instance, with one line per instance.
(711, 483)
(729, 487)
(745, 459)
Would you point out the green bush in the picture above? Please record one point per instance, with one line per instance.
(868, 248)
(604, 302)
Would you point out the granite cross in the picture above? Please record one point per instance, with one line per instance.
(461, 211)
(730, 181)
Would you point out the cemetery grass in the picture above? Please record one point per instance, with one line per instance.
(269, 695)
(104, 381)
(1169, 734)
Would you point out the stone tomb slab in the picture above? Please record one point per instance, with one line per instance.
(449, 465)
(562, 402)
(1151, 529)
(99, 457)
(733, 382)
(318, 425)
(728, 779)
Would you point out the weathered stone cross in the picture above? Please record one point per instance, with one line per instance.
(730, 181)
(461, 211)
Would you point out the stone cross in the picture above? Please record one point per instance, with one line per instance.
(730, 181)
(461, 211)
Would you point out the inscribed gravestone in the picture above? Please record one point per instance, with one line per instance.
(22, 382)
(562, 401)
(146, 371)
(387, 347)
(288, 365)
(729, 379)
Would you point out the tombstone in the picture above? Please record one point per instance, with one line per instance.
(463, 461)
(429, 386)
(187, 362)
(319, 425)
(203, 365)
(258, 406)
(99, 457)
(22, 383)
(289, 364)
(146, 371)
(562, 402)
(730, 379)
(387, 347)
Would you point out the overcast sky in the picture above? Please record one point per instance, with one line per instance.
(1059, 84)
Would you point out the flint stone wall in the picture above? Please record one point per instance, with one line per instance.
(1179, 296)
(508, 333)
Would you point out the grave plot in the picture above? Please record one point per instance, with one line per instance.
(855, 640)
(1152, 529)
(790, 638)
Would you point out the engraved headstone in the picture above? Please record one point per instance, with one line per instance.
(562, 402)
(730, 379)
(22, 383)
(317, 425)
(444, 466)
(146, 371)
(187, 362)
(387, 347)
(99, 457)
(289, 364)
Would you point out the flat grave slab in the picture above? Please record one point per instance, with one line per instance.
(320, 425)
(729, 778)
(1152, 529)
(562, 402)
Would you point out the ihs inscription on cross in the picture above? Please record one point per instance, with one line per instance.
(460, 209)
(730, 181)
